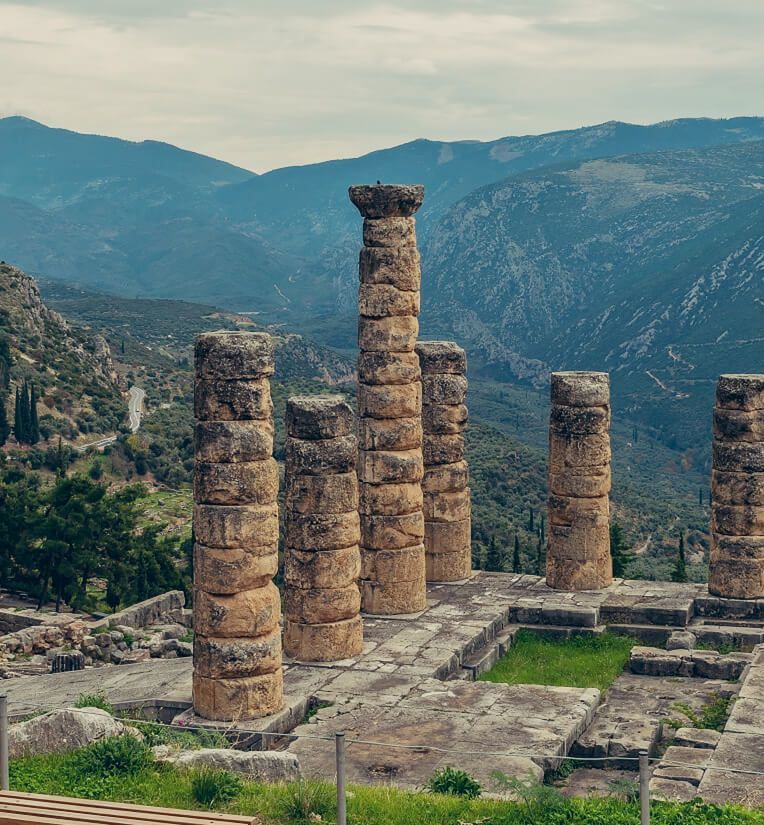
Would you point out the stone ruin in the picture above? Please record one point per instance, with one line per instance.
(447, 523)
(736, 568)
(322, 560)
(390, 463)
(578, 554)
(369, 519)
(237, 607)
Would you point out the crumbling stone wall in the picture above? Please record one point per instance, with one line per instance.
(447, 509)
(390, 464)
(578, 554)
(322, 558)
(237, 644)
(736, 568)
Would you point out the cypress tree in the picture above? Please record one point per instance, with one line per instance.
(540, 557)
(493, 560)
(618, 552)
(4, 427)
(34, 423)
(18, 419)
(516, 556)
(26, 423)
(679, 574)
(530, 520)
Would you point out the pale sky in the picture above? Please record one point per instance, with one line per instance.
(265, 84)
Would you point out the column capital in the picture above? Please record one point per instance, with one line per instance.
(387, 200)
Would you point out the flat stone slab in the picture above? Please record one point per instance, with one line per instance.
(448, 723)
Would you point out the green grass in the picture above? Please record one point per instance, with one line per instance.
(310, 801)
(583, 661)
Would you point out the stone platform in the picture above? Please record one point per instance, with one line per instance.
(412, 684)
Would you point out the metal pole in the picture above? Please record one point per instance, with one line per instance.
(4, 783)
(644, 788)
(339, 741)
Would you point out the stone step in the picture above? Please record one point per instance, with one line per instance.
(485, 658)
(673, 612)
(550, 613)
(740, 637)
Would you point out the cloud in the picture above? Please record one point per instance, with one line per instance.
(264, 84)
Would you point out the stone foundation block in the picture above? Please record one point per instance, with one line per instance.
(737, 521)
(580, 389)
(228, 570)
(444, 419)
(442, 449)
(739, 425)
(447, 507)
(392, 532)
(389, 232)
(580, 543)
(578, 454)
(446, 478)
(227, 442)
(234, 658)
(249, 697)
(246, 613)
(579, 420)
(329, 494)
(390, 434)
(395, 265)
(320, 605)
(389, 499)
(565, 574)
(741, 457)
(251, 482)
(320, 417)
(236, 355)
(328, 642)
(439, 357)
(220, 400)
(393, 566)
(322, 531)
(736, 578)
(738, 488)
(444, 389)
(579, 512)
(398, 401)
(448, 567)
(322, 457)
(448, 537)
(589, 485)
(219, 525)
(740, 392)
(393, 334)
(385, 368)
(384, 300)
(743, 548)
(384, 598)
(322, 568)
(385, 467)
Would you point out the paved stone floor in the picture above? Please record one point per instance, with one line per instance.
(395, 693)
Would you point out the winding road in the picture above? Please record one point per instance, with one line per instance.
(135, 414)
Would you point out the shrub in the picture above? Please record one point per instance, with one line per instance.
(713, 714)
(307, 800)
(94, 700)
(210, 787)
(454, 782)
(116, 755)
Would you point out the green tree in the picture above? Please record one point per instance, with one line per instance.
(5, 363)
(540, 560)
(618, 552)
(34, 423)
(493, 558)
(530, 520)
(516, 565)
(18, 420)
(5, 429)
(679, 573)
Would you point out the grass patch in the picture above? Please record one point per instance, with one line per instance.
(107, 773)
(583, 661)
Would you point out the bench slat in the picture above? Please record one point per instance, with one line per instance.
(65, 810)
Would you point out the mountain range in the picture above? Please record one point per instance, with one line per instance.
(637, 249)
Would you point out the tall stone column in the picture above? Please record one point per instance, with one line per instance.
(323, 561)
(578, 554)
(737, 489)
(390, 466)
(237, 634)
(447, 525)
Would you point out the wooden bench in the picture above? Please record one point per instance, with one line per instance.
(38, 809)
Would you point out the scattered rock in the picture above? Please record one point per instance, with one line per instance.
(681, 640)
(265, 766)
(61, 730)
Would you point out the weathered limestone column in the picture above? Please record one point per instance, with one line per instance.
(390, 465)
(237, 641)
(323, 561)
(578, 555)
(447, 522)
(736, 568)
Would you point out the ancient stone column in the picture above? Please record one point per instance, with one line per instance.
(737, 489)
(390, 466)
(447, 524)
(578, 553)
(237, 641)
(322, 563)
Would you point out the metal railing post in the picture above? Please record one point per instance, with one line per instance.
(4, 782)
(339, 741)
(644, 787)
